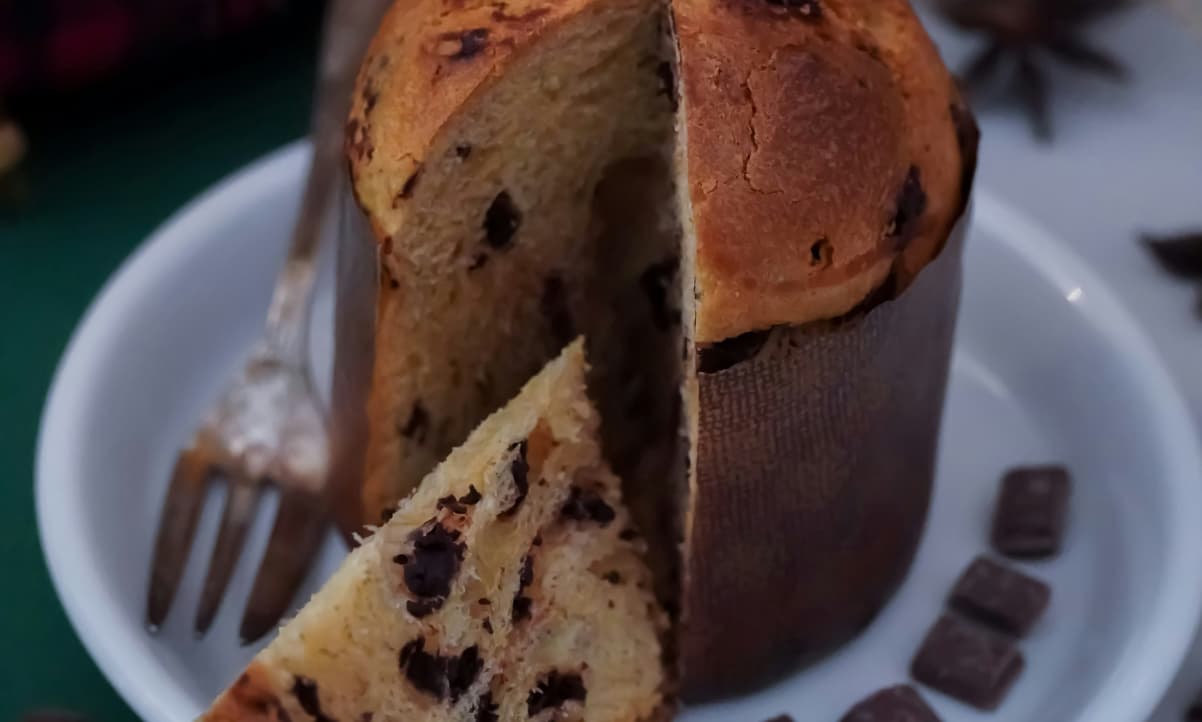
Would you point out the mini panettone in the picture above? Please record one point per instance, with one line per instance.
(749, 208)
(509, 586)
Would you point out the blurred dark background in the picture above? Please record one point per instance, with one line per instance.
(127, 110)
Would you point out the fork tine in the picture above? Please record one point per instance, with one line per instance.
(240, 502)
(177, 526)
(300, 527)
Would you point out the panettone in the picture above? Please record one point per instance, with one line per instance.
(745, 206)
(508, 587)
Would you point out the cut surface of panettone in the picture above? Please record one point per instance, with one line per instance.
(508, 586)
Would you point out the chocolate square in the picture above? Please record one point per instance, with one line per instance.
(901, 703)
(967, 661)
(999, 596)
(1031, 509)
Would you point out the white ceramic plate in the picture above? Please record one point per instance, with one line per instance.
(1048, 367)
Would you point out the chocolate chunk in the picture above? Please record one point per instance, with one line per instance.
(437, 675)
(401, 559)
(667, 83)
(487, 625)
(911, 202)
(538, 540)
(715, 357)
(486, 709)
(423, 607)
(450, 503)
(526, 576)
(435, 561)
(613, 577)
(463, 150)
(471, 497)
(892, 704)
(520, 469)
(521, 608)
(656, 282)
(305, 691)
(967, 662)
(554, 690)
(501, 221)
(587, 506)
(999, 596)
(417, 424)
(628, 535)
(555, 309)
(1030, 516)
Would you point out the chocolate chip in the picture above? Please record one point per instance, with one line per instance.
(471, 497)
(901, 703)
(613, 577)
(555, 309)
(501, 221)
(1029, 520)
(911, 202)
(587, 506)
(484, 601)
(417, 424)
(521, 608)
(821, 253)
(423, 607)
(554, 690)
(435, 561)
(656, 283)
(437, 675)
(463, 150)
(401, 559)
(450, 503)
(538, 540)
(967, 662)
(519, 468)
(486, 709)
(487, 625)
(667, 82)
(526, 575)
(999, 596)
(305, 691)
(715, 357)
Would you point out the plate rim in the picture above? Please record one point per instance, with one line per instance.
(158, 697)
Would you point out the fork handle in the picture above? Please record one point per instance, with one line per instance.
(347, 29)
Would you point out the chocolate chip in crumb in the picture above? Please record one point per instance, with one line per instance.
(487, 625)
(401, 559)
(821, 253)
(555, 309)
(656, 282)
(538, 540)
(471, 497)
(613, 577)
(305, 691)
(417, 424)
(715, 357)
(437, 675)
(587, 506)
(463, 150)
(462, 671)
(486, 709)
(435, 561)
(628, 535)
(450, 503)
(526, 575)
(554, 690)
(501, 221)
(911, 202)
(519, 468)
(484, 601)
(522, 608)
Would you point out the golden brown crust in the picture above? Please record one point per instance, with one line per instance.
(803, 122)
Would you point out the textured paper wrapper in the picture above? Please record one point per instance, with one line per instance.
(813, 472)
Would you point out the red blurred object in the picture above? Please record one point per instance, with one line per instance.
(54, 45)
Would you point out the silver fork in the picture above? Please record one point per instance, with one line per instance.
(268, 428)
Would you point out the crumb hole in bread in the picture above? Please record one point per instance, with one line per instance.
(822, 254)
(501, 221)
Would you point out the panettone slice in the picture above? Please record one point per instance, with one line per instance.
(508, 586)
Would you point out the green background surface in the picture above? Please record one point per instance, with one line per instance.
(106, 167)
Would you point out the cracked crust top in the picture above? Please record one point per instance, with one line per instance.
(828, 150)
